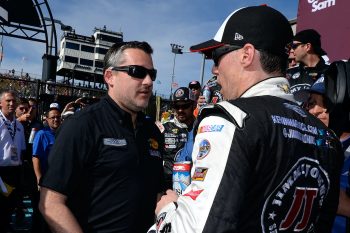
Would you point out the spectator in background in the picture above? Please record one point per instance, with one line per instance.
(176, 130)
(12, 146)
(291, 60)
(43, 141)
(212, 96)
(26, 113)
(252, 153)
(22, 112)
(307, 50)
(195, 87)
(317, 106)
(105, 168)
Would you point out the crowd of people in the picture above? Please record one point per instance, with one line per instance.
(267, 152)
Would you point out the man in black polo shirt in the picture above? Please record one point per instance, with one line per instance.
(105, 168)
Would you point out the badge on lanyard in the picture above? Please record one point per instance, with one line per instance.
(14, 154)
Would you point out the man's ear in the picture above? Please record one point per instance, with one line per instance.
(248, 53)
(108, 77)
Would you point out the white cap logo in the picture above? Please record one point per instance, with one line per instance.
(238, 36)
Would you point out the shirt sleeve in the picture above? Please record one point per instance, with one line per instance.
(69, 156)
(210, 154)
(38, 148)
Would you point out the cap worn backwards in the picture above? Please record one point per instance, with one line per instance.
(261, 26)
(313, 37)
(183, 94)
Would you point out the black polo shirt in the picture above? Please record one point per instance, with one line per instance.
(110, 172)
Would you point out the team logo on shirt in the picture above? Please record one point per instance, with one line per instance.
(294, 205)
(204, 149)
(153, 143)
(199, 174)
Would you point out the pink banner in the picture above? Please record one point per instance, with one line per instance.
(331, 18)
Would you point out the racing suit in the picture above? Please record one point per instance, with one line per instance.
(301, 77)
(175, 137)
(261, 163)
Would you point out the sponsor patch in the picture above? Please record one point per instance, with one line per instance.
(294, 204)
(175, 131)
(215, 99)
(296, 75)
(114, 142)
(169, 141)
(160, 126)
(153, 143)
(204, 149)
(179, 93)
(193, 194)
(169, 135)
(199, 173)
(170, 146)
(210, 128)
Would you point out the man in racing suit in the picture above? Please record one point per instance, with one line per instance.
(306, 48)
(176, 130)
(260, 162)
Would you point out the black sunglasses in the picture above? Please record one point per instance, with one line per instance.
(294, 45)
(221, 51)
(182, 106)
(136, 71)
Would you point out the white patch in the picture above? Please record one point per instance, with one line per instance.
(114, 142)
(296, 75)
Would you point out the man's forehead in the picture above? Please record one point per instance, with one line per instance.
(9, 95)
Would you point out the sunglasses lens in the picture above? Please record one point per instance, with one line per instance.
(219, 52)
(141, 72)
(138, 72)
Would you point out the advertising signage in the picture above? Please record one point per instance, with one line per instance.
(331, 19)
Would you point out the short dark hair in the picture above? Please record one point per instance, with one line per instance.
(23, 100)
(114, 56)
(272, 63)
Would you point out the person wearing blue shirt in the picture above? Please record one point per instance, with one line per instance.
(43, 141)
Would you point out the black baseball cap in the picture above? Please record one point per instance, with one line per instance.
(194, 84)
(313, 37)
(262, 26)
(183, 94)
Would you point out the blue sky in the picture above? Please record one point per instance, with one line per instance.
(184, 22)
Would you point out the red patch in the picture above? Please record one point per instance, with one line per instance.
(193, 194)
